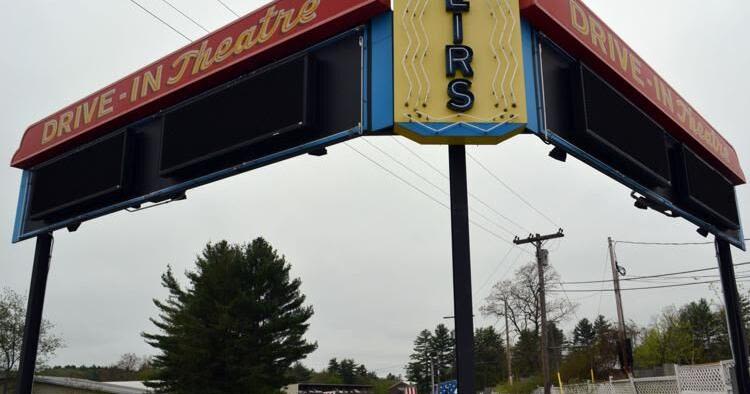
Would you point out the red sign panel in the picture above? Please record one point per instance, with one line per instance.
(267, 34)
(575, 27)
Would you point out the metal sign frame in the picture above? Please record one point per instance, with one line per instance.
(538, 127)
(367, 117)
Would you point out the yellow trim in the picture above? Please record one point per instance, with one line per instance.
(452, 140)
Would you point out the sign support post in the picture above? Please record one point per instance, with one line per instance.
(734, 316)
(462, 304)
(32, 328)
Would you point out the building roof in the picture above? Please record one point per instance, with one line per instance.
(110, 388)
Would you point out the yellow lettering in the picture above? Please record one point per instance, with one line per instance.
(635, 69)
(64, 125)
(264, 34)
(104, 103)
(681, 111)
(50, 129)
(288, 22)
(578, 18)
(622, 54)
(307, 11)
(245, 40)
(664, 94)
(611, 46)
(223, 51)
(184, 61)
(597, 34)
(203, 59)
(77, 121)
(151, 82)
(88, 112)
(134, 88)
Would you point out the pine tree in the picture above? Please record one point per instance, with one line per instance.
(602, 327)
(526, 354)
(236, 328)
(442, 348)
(583, 333)
(489, 357)
(418, 370)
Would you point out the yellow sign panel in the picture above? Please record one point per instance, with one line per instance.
(458, 70)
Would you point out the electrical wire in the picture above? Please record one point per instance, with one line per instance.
(510, 189)
(565, 293)
(436, 186)
(490, 276)
(228, 8)
(653, 276)
(428, 195)
(472, 195)
(666, 243)
(160, 20)
(604, 273)
(638, 288)
(185, 15)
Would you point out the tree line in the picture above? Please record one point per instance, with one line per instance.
(691, 334)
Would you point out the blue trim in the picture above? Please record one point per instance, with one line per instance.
(381, 72)
(19, 233)
(460, 130)
(176, 189)
(736, 240)
(21, 207)
(533, 99)
(364, 67)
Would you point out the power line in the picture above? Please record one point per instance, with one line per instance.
(510, 189)
(653, 276)
(444, 175)
(604, 272)
(666, 243)
(489, 277)
(185, 15)
(160, 20)
(424, 193)
(641, 288)
(565, 293)
(386, 169)
(436, 186)
(228, 8)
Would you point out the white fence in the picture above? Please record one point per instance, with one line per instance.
(688, 379)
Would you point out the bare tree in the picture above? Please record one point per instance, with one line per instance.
(522, 296)
(12, 321)
(129, 362)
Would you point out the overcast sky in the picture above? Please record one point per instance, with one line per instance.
(373, 254)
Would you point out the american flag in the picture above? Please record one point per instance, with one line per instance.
(449, 387)
(410, 390)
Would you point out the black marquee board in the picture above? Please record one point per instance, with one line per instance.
(297, 105)
(587, 117)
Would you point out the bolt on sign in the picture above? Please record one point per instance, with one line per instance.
(458, 71)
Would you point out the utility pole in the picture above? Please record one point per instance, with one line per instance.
(621, 335)
(507, 346)
(541, 261)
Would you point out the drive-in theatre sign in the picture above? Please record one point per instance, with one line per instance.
(296, 76)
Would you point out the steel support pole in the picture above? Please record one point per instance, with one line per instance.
(31, 330)
(734, 316)
(462, 303)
